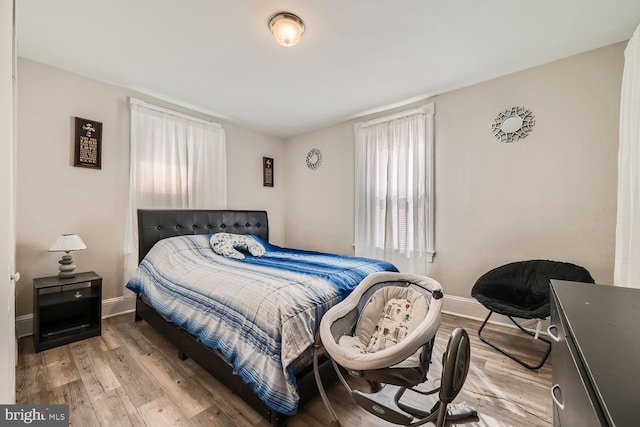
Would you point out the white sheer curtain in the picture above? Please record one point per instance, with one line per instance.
(176, 162)
(627, 258)
(394, 189)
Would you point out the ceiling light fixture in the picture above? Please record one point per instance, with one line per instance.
(287, 28)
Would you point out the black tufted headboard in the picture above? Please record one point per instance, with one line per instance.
(158, 224)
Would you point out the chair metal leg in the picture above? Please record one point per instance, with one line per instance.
(511, 356)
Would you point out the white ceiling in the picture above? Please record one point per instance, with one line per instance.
(356, 56)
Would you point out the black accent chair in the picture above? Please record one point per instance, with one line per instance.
(522, 290)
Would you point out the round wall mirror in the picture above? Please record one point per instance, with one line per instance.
(513, 124)
(314, 158)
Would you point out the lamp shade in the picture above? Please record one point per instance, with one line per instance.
(67, 242)
(287, 28)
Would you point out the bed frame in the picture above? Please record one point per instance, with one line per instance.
(154, 225)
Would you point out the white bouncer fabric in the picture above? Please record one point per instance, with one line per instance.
(366, 349)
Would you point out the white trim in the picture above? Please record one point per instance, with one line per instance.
(430, 255)
(392, 106)
(431, 179)
(135, 101)
(110, 307)
(466, 307)
(24, 325)
(470, 308)
(426, 109)
(117, 306)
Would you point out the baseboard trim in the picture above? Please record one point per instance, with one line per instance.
(24, 325)
(110, 307)
(458, 306)
(117, 306)
(470, 308)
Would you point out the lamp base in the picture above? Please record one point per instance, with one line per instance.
(67, 275)
(66, 267)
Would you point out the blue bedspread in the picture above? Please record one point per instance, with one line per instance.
(261, 313)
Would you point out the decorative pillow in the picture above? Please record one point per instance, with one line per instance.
(226, 244)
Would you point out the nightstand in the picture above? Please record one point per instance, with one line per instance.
(66, 310)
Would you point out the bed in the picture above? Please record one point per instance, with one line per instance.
(254, 359)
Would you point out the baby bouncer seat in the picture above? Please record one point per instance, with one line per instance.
(384, 332)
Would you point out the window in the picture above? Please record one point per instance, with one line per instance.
(394, 189)
(177, 162)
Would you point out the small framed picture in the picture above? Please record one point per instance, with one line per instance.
(88, 144)
(267, 172)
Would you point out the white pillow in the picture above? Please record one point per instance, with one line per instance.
(225, 244)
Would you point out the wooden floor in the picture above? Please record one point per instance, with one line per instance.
(131, 376)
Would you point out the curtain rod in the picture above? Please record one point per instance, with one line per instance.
(136, 101)
(426, 109)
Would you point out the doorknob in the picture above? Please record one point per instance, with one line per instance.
(15, 276)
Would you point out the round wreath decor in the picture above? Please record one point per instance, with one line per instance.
(314, 158)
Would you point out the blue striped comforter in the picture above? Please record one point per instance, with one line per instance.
(261, 313)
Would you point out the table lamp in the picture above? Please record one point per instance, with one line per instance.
(67, 243)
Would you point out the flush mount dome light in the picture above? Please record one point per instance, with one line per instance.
(287, 28)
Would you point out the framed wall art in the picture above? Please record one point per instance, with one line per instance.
(88, 143)
(267, 172)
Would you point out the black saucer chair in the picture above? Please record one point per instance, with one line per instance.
(522, 290)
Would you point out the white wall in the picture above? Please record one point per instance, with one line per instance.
(320, 202)
(54, 197)
(551, 195)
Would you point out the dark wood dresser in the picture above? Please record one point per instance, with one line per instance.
(595, 331)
